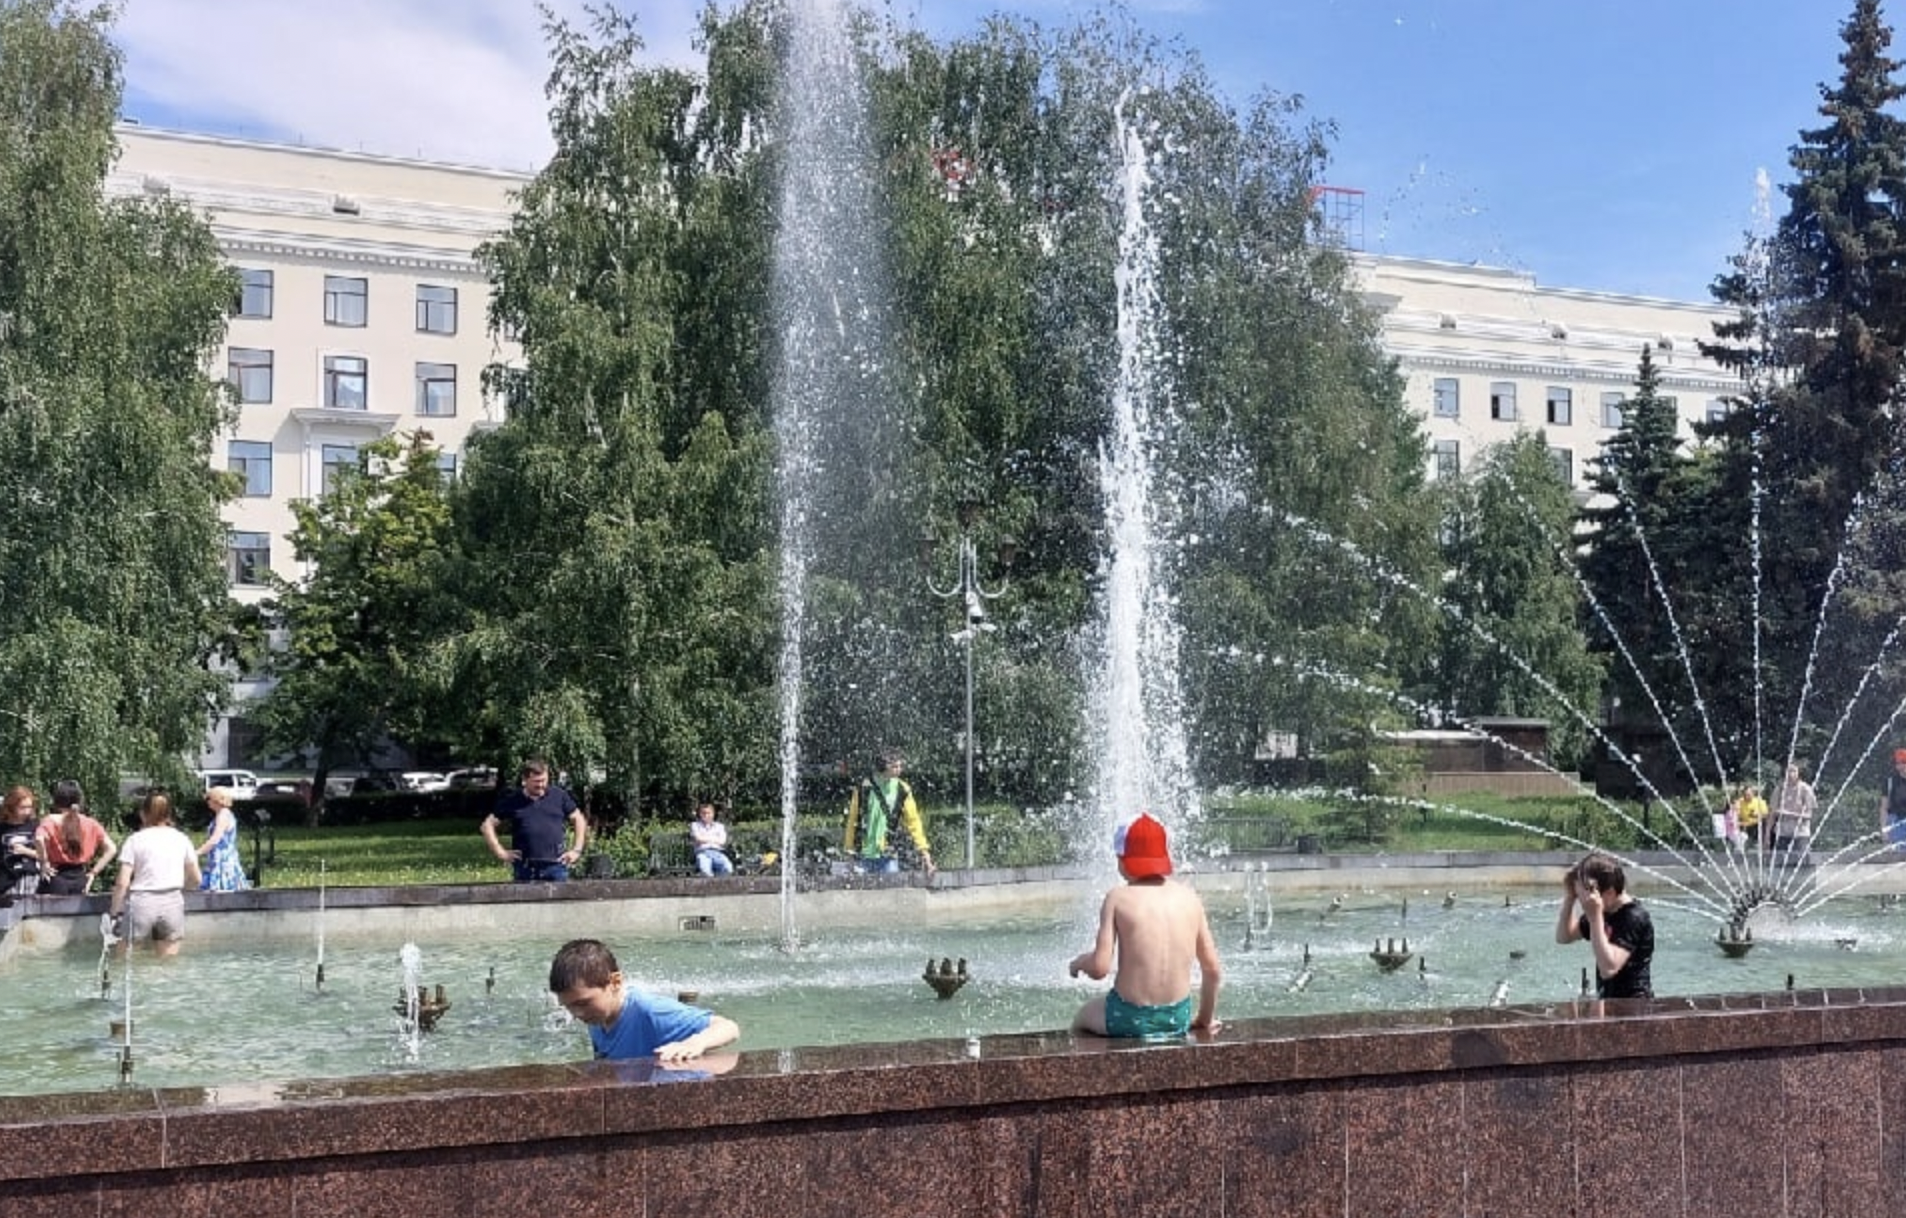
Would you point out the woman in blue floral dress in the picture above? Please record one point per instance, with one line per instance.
(223, 872)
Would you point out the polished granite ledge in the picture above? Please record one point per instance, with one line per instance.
(138, 1130)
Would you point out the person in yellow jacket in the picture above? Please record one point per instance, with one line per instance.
(879, 807)
(1749, 810)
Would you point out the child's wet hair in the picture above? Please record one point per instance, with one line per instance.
(582, 962)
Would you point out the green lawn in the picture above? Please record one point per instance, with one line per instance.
(449, 851)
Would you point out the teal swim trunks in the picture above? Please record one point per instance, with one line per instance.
(1146, 1023)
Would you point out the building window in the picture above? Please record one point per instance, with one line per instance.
(1561, 407)
(1612, 409)
(248, 560)
(346, 382)
(1449, 397)
(1564, 461)
(1717, 410)
(339, 460)
(447, 466)
(254, 293)
(1447, 458)
(252, 460)
(346, 301)
(249, 371)
(436, 310)
(1502, 401)
(437, 389)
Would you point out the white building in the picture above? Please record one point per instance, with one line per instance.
(1489, 352)
(363, 312)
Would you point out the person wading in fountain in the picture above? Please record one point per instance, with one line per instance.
(1794, 805)
(1617, 928)
(880, 808)
(1153, 928)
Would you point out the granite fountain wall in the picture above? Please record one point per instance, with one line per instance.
(1785, 1104)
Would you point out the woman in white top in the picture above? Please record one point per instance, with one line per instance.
(156, 866)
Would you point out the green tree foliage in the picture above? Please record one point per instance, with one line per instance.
(612, 539)
(1512, 644)
(617, 535)
(112, 593)
(349, 675)
(1825, 303)
(1649, 562)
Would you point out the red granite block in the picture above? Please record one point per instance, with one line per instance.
(724, 1173)
(1402, 1151)
(1627, 1122)
(1515, 1133)
(1109, 1160)
(120, 1128)
(1830, 1133)
(1283, 1154)
(1731, 1112)
(213, 1194)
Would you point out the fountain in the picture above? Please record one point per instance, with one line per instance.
(421, 1008)
(947, 979)
(830, 402)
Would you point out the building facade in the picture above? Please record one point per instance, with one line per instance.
(1488, 352)
(363, 312)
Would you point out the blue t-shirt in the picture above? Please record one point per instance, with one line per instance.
(648, 1022)
(537, 826)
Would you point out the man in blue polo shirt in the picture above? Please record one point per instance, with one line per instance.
(539, 814)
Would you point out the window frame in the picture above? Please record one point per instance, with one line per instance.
(430, 311)
(334, 378)
(428, 374)
(1446, 459)
(1614, 410)
(235, 368)
(1453, 398)
(259, 455)
(1564, 461)
(333, 458)
(1564, 397)
(1502, 401)
(244, 563)
(247, 285)
(337, 289)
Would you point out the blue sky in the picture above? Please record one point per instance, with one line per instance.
(1606, 144)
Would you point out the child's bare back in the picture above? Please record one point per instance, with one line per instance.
(1152, 929)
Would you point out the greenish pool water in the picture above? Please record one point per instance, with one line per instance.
(218, 1015)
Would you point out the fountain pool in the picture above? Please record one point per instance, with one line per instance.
(221, 1014)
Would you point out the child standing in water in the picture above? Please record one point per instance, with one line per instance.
(1153, 928)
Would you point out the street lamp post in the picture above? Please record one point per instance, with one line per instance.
(973, 596)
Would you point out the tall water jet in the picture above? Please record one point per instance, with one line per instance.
(1143, 758)
(834, 418)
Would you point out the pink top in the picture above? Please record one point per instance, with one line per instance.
(92, 835)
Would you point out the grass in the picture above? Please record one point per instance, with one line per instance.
(396, 853)
(450, 851)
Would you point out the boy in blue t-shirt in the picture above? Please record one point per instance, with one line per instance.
(624, 1022)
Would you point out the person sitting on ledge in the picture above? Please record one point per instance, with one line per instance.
(624, 1022)
(710, 838)
(1154, 928)
(1617, 928)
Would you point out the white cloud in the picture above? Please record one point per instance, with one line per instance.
(451, 80)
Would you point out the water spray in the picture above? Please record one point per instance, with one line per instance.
(320, 926)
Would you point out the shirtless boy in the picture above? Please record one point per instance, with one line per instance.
(1154, 928)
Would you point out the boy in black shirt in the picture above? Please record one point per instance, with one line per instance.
(1614, 923)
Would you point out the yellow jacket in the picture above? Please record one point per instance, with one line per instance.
(908, 815)
(1750, 812)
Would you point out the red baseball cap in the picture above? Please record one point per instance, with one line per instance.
(1141, 847)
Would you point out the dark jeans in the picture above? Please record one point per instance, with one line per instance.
(66, 882)
(544, 871)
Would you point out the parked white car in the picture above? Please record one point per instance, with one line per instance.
(424, 780)
(243, 784)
